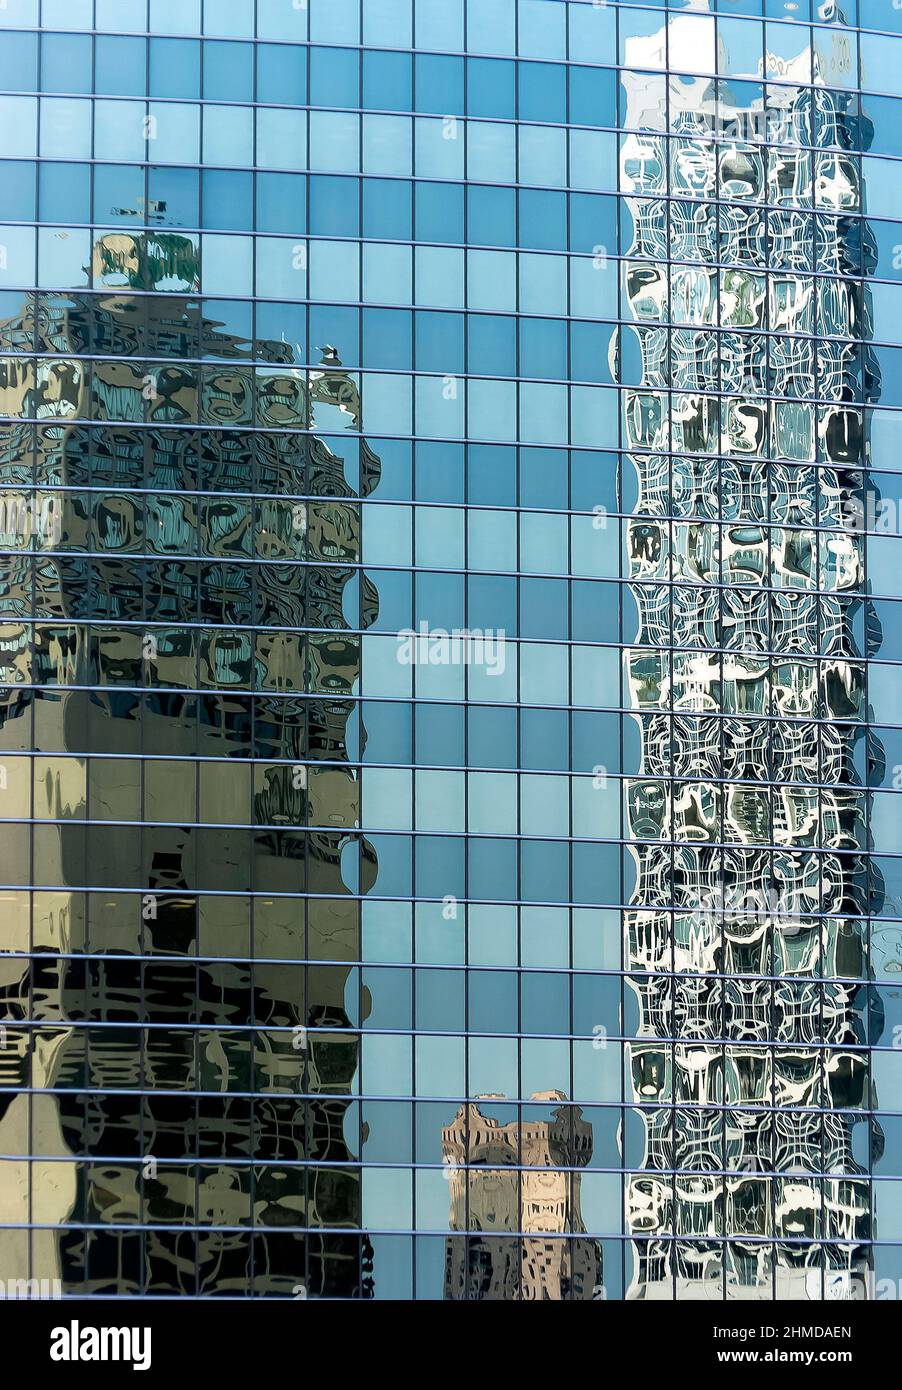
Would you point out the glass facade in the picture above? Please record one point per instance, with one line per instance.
(449, 759)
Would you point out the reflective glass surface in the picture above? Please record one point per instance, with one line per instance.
(450, 641)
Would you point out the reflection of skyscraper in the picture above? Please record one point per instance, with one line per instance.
(178, 636)
(747, 933)
(519, 1177)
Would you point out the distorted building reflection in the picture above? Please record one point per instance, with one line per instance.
(747, 676)
(170, 1067)
(515, 1187)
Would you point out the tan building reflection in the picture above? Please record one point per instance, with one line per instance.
(490, 1196)
(244, 756)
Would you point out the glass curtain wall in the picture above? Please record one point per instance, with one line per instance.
(449, 643)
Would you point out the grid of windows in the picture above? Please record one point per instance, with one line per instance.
(449, 634)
